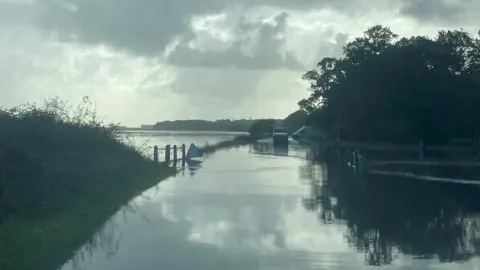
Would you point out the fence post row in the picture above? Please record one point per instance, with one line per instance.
(168, 149)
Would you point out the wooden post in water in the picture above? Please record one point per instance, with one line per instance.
(167, 153)
(175, 156)
(175, 153)
(183, 155)
(355, 162)
(155, 154)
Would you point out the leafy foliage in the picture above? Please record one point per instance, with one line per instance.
(295, 121)
(63, 172)
(387, 88)
(49, 154)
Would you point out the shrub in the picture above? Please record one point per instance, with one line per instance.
(49, 153)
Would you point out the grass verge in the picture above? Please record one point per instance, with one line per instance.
(61, 177)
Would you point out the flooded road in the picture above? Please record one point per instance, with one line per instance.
(256, 207)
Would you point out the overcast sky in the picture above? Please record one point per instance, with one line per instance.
(143, 61)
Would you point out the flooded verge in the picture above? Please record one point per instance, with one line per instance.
(260, 207)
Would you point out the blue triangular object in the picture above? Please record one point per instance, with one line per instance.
(194, 152)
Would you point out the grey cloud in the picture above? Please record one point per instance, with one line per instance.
(329, 49)
(265, 54)
(236, 92)
(144, 27)
(14, 14)
(439, 11)
(205, 85)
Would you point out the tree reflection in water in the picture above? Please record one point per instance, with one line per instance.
(388, 215)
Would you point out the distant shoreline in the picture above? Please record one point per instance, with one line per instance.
(220, 125)
(196, 132)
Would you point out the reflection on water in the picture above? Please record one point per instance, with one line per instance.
(267, 148)
(386, 215)
(193, 166)
(257, 207)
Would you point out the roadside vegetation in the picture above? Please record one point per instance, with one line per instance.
(63, 172)
(387, 88)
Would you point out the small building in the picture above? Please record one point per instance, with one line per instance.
(280, 136)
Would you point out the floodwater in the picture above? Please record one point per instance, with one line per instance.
(256, 207)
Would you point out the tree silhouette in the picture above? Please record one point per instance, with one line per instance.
(387, 88)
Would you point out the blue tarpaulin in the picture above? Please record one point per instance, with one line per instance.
(194, 152)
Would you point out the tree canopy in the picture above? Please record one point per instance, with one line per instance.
(294, 121)
(388, 88)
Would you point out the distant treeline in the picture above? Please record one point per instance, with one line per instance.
(242, 125)
(254, 126)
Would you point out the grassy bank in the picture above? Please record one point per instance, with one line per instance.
(61, 176)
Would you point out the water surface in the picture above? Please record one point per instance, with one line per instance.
(256, 207)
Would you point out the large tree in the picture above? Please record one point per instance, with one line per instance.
(387, 88)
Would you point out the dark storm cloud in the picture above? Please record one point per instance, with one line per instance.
(144, 27)
(265, 53)
(439, 11)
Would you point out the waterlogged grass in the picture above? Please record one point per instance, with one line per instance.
(61, 176)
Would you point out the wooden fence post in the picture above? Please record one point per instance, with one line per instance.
(184, 155)
(183, 151)
(155, 154)
(354, 162)
(167, 153)
(175, 153)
